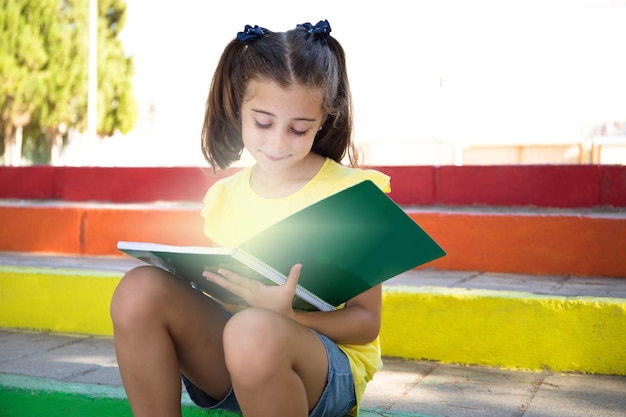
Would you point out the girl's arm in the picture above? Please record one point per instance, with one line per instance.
(357, 323)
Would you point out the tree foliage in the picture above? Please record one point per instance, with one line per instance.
(117, 108)
(43, 73)
(22, 61)
(64, 100)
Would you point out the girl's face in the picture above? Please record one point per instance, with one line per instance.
(279, 124)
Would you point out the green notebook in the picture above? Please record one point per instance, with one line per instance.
(347, 243)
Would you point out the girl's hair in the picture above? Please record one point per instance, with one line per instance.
(305, 56)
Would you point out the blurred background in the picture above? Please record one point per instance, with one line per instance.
(435, 82)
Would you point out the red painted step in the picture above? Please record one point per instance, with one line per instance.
(555, 186)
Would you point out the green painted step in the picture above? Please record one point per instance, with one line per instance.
(22, 396)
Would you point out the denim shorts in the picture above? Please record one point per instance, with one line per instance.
(337, 399)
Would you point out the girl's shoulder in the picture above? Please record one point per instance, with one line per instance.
(224, 187)
(221, 205)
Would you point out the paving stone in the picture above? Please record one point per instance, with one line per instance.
(575, 395)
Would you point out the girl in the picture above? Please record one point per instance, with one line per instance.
(285, 97)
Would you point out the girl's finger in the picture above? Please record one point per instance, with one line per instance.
(294, 276)
(226, 282)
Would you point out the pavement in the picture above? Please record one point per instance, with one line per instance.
(86, 366)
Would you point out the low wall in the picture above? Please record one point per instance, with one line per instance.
(556, 186)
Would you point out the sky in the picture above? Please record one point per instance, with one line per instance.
(487, 71)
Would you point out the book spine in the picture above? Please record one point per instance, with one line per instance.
(279, 279)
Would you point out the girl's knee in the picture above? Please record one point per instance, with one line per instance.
(254, 336)
(138, 293)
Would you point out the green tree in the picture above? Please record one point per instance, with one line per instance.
(43, 73)
(117, 106)
(65, 80)
(23, 58)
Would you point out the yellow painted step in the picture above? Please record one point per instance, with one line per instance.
(512, 329)
(57, 299)
(505, 328)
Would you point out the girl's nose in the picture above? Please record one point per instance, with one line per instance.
(279, 140)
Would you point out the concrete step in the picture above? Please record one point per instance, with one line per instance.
(70, 376)
(560, 323)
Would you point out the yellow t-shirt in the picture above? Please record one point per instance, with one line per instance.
(233, 213)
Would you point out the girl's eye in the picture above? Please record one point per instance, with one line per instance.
(299, 132)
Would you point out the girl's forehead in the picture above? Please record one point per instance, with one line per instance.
(270, 94)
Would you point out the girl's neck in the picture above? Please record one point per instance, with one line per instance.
(283, 184)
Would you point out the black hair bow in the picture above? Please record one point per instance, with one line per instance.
(321, 29)
(250, 33)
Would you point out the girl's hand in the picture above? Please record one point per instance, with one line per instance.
(272, 297)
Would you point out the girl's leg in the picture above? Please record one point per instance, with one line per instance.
(277, 367)
(162, 327)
